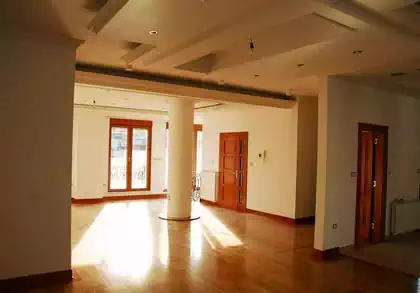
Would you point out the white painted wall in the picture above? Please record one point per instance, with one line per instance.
(91, 143)
(35, 176)
(342, 105)
(272, 182)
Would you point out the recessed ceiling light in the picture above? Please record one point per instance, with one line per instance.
(300, 65)
(153, 33)
(394, 74)
(357, 52)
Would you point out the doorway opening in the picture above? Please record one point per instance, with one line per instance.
(233, 170)
(371, 184)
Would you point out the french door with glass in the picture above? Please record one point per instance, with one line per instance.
(129, 155)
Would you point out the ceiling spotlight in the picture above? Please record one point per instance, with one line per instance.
(300, 65)
(357, 52)
(153, 33)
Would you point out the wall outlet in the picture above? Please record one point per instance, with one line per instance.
(335, 226)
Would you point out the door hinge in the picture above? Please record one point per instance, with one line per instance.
(374, 183)
(373, 225)
(375, 141)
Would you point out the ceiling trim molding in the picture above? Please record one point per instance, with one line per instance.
(83, 67)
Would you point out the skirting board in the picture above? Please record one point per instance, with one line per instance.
(27, 283)
(117, 198)
(299, 221)
(208, 202)
(329, 254)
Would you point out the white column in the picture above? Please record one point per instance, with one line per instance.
(181, 126)
(321, 188)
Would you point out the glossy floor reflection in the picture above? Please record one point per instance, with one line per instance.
(124, 247)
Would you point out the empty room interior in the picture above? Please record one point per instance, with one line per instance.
(210, 146)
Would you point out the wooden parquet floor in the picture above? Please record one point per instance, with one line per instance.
(124, 247)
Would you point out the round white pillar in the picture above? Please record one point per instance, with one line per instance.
(181, 128)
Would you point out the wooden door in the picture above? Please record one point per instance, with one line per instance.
(233, 162)
(379, 177)
(371, 189)
(365, 186)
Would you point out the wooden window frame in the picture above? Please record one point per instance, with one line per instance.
(130, 125)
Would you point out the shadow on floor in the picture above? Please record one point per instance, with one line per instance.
(402, 253)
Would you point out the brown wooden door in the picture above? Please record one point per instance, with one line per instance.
(365, 185)
(379, 204)
(233, 162)
(371, 190)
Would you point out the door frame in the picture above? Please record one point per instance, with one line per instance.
(243, 135)
(385, 131)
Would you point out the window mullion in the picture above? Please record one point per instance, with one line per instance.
(129, 157)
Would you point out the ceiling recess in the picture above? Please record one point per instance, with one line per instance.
(94, 5)
(396, 74)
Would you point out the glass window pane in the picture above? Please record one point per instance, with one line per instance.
(119, 139)
(139, 159)
(199, 166)
(166, 159)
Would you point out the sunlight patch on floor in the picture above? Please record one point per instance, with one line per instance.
(218, 230)
(120, 239)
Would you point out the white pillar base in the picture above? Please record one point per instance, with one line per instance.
(194, 216)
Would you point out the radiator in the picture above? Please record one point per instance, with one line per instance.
(405, 216)
(209, 185)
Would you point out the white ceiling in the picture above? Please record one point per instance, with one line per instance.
(209, 39)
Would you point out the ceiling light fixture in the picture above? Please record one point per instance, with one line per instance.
(153, 33)
(251, 46)
(357, 52)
